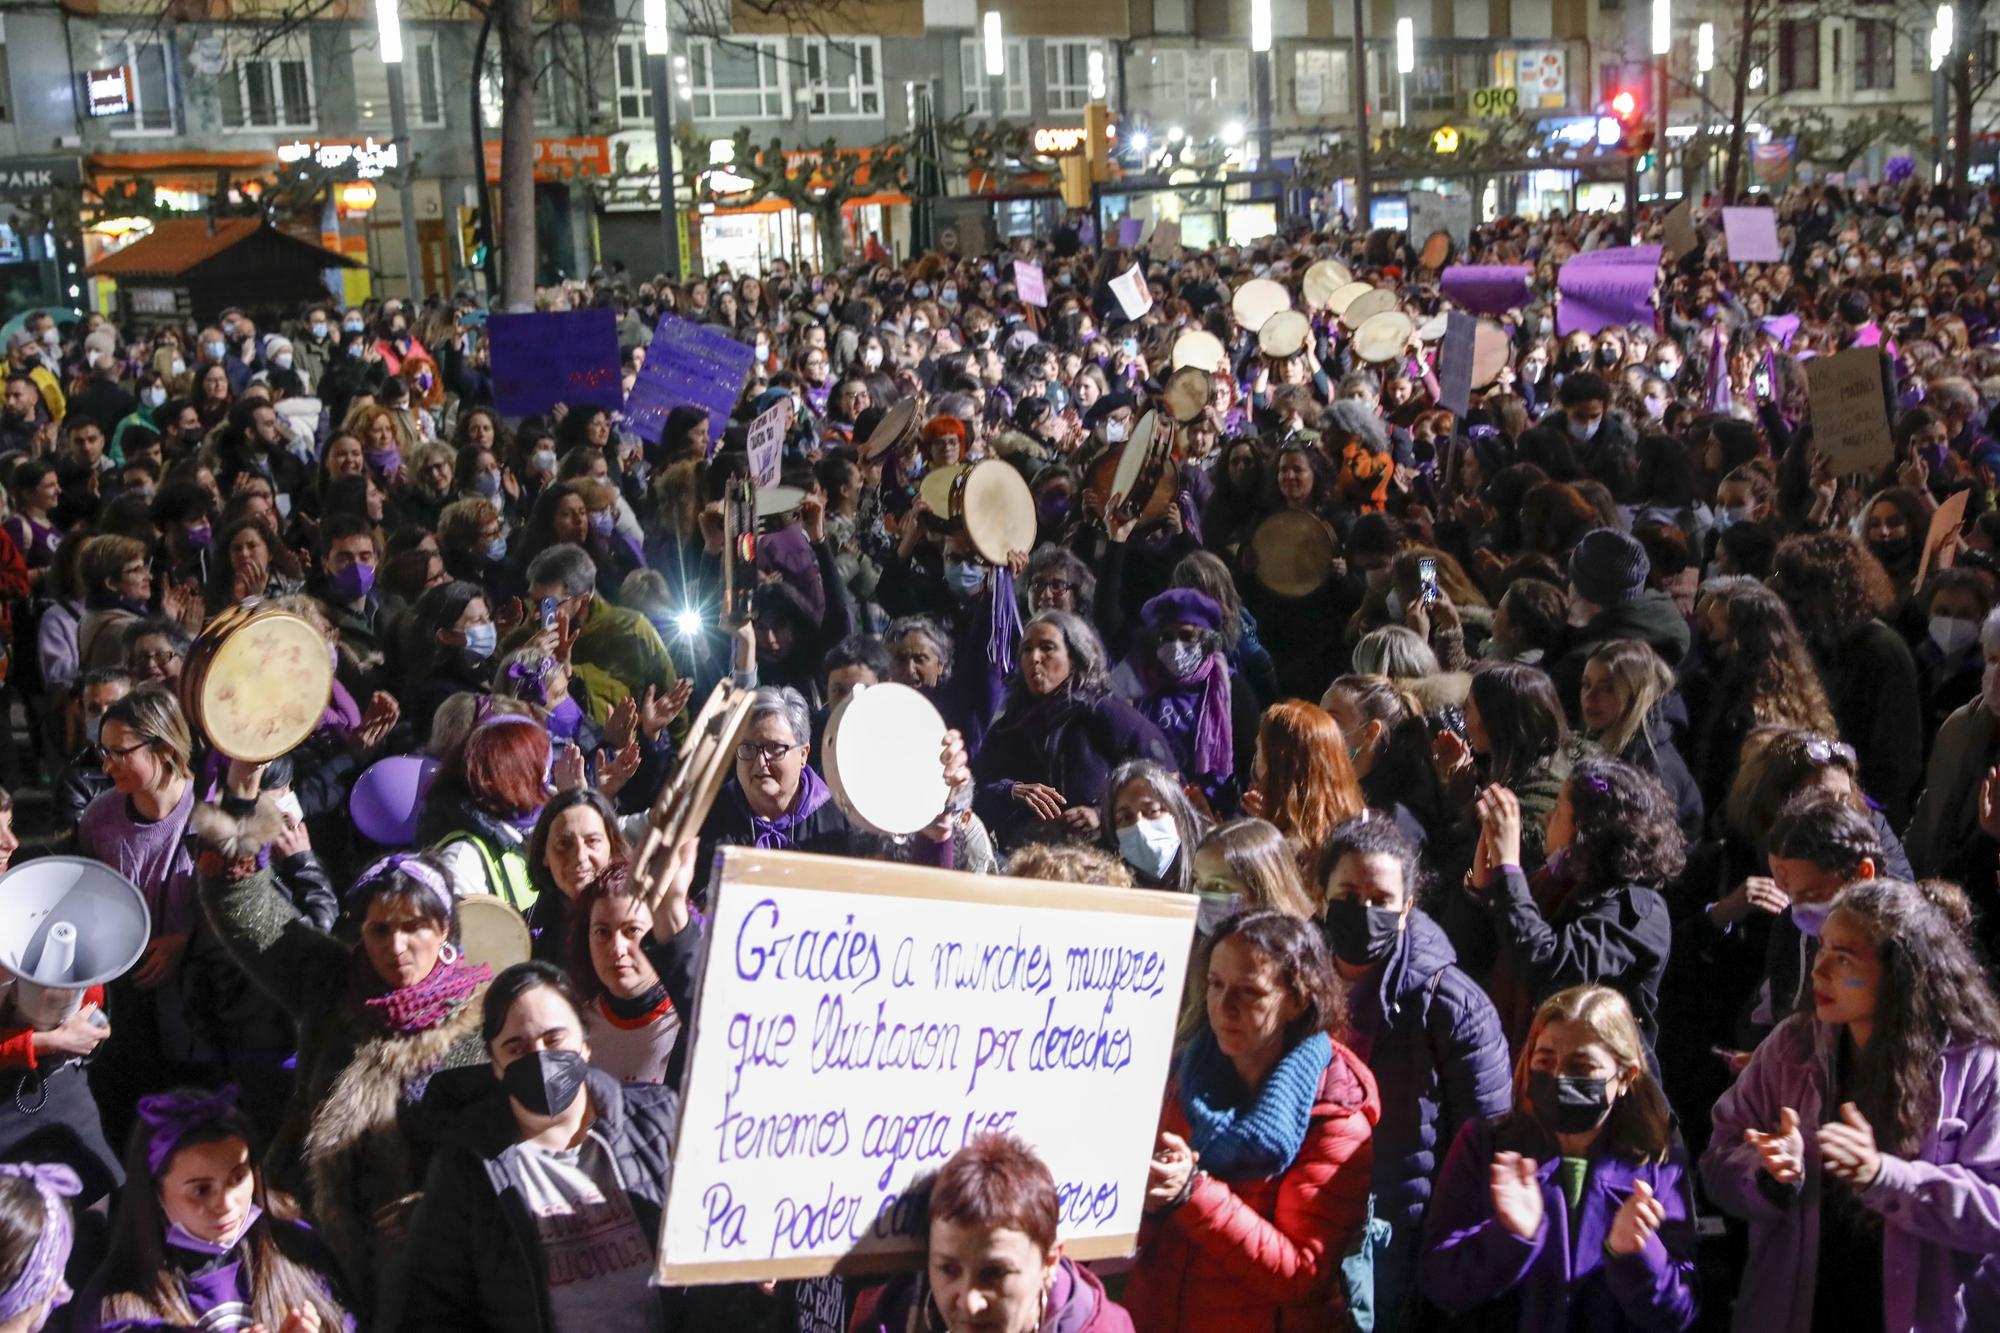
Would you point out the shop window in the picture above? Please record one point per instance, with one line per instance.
(155, 95)
(741, 79)
(843, 77)
(978, 90)
(1068, 69)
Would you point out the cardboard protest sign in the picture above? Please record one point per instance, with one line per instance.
(1134, 298)
(1166, 235)
(1130, 229)
(858, 1021)
(1030, 283)
(554, 356)
(1603, 288)
(1941, 541)
(1455, 362)
(765, 443)
(688, 364)
(1751, 235)
(1486, 289)
(1850, 416)
(1680, 235)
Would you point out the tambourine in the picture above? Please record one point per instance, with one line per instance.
(1366, 306)
(1492, 349)
(1284, 335)
(991, 501)
(880, 755)
(491, 932)
(708, 757)
(1295, 552)
(1336, 304)
(898, 426)
(1188, 392)
(935, 491)
(1322, 280)
(1433, 329)
(1142, 471)
(1257, 300)
(1436, 252)
(1202, 350)
(1383, 337)
(776, 505)
(257, 681)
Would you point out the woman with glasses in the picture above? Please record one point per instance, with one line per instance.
(118, 583)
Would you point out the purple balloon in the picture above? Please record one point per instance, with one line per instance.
(388, 797)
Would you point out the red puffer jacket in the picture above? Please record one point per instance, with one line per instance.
(1254, 1256)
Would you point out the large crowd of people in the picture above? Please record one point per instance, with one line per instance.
(1592, 795)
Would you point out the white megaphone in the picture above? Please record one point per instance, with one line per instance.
(67, 923)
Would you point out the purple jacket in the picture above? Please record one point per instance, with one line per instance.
(1077, 1304)
(1940, 1210)
(1556, 1282)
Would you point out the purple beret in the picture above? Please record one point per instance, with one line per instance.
(1182, 606)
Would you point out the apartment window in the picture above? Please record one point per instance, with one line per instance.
(1798, 55)
(1067, 67)
(1433, 84)
(844, 77)
(1186, 83)
(492, 85)
(423, 83)
(741, 79)
(1319, 82)
(978, 92)
(1874, 55)
(635, 88)
(150, 57)
(269, 87)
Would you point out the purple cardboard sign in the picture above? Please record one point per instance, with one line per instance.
(1486, 289)
(1029, 282)
(1752, 235)
(689, 364)
(1130, 229)
(1603, 288)
(554, 356)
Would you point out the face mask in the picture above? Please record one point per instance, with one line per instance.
(51, 338)
(198, 536)
(423, 378)
(318, 329)
(1891, 551)
(282, 360)
(1360, 933)
(215, 349)
(179, 367)
(1810, 917)
(1729, 515)
(1392, 602)
(872, 357)
(1584, 430)
(480, 640)
(821, 309)
(949, 296)
(543, 460)
(565, 717)
(1607, 356)
(763, 351)
(1852, 263)
(1053, 510)
(354, 351)
(354, 582)
(90, 356)
(1656, 407)
(93, 727)
(1180, 659)
(153, 397)
(1114, 431)
(1668, 370)
(965, 577)
(921, 291)
(352, 325)
(1568, 1105)
(1952, 635)
(487, 485)
(496, 550)
(1150, 845)
(602, 521)
(545, 1083)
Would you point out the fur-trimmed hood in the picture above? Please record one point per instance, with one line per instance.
(238, 837)
(1446, 689)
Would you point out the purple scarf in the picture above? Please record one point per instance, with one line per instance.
(421, 1007)
(782, 833)
(1206, 694)
(41, 1276)
(1005, 627)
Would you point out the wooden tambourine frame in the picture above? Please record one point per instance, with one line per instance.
(707, 758)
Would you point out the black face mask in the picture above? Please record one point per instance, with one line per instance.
(1891, 551)
(545, 1083)
(1567, 1105)
(1361, 934)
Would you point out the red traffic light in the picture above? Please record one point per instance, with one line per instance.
(1624, 104)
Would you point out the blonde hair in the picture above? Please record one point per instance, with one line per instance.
(1263, 860)
(1644, 678)
(154, 715)
(1639, 1126)
(1069, 863)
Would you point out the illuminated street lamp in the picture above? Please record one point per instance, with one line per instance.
(389, 24)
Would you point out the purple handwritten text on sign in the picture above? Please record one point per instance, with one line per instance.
(554, 356)
(689, 364)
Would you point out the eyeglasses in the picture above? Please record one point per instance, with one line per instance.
(769, 752)
(1822, 752)
(127, 752)
(158, 657)
(1060, 587)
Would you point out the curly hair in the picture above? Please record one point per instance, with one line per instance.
(1069, 863)
(1776, 764)
(1772, 660)
(1934, 992)
(1833, 584)
(1297, 953)
(1625, 829)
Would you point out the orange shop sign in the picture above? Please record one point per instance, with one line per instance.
(559, 159)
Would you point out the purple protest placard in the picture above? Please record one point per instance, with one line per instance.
(554, 356)
(1486, 289)
(1130, 229)
(1029, 282)
(697, 365)
(1602, 288)
(1752, 235)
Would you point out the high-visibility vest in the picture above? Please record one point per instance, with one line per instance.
(506, 873)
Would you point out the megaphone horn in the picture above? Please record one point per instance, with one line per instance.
(67, 923)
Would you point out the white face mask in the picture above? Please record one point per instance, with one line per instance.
(153, 397)
(1952, 635)
(1584, 430)
(871, 357)
(1115, 431)
(1149, 846)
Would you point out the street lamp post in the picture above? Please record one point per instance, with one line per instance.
(1406, 64)
(1260, 47)
(994, 51)
(1942, 37)
(1362, 190)
(1704, 62)
(1663, 46)
(389, 24)
(659, 50)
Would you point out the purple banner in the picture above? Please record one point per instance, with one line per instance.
(1606, 288)
(688, 364)
(1486, 289)
(554, 356)
(1130, 229)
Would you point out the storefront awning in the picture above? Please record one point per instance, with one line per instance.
(187, 170)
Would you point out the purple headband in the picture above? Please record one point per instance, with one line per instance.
(411, 868)
(531, 682)
(170, 1116)
(41, 1277)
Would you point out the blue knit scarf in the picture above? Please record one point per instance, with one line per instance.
(1261, 1139)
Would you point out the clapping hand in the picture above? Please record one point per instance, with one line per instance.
(1517, 1194)
(1167, 1174)
(1639, 1219)
(380, 719)
(616, 767)
(1500, 826)
(1847, 1148)
(1783, 1153)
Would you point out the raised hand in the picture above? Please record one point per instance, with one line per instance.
(619, 723)
(1989, 804)
(1847, 1148)
(1500, 820)
(658, 712)
(566, 771)
(616, 767)
(1782, 1152)
(665, 884)
(812, 517)
(1639, 1219)
(1517, 1194)
(380, 719)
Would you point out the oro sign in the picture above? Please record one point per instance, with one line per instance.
(1496, 102)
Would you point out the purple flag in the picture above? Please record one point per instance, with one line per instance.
(1604, 288)
(1130, 229)
(1486, 289)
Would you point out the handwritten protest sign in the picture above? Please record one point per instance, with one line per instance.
(688, 364)
(859, 1021)
(1029, 282)
(1752, 235)
(766, 443)
(554, 356)
(1166, 235)
(1941, 541)
(1680, 235)
(1850, 417)
(1134, 297)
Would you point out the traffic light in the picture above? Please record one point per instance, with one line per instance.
(1630, 109)
(471, 247)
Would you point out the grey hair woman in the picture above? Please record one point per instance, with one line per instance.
(1153, 826)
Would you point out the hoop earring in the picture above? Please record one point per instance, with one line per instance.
(449, 952)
